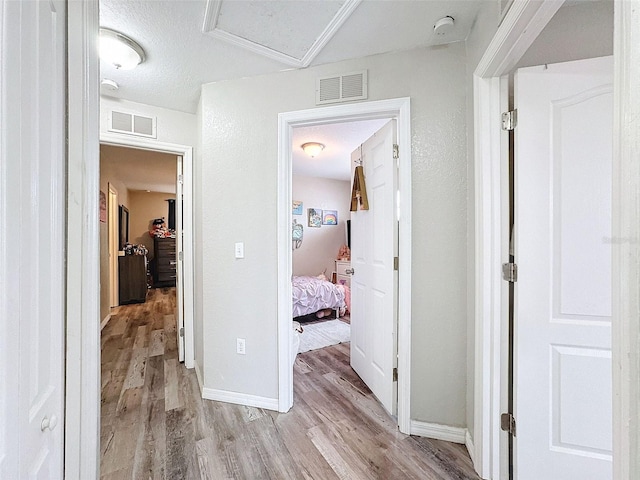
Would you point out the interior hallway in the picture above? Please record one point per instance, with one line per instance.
(156, 425)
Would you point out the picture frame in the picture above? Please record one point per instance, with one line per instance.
(330, 217)
(297, 207)
(314, 216)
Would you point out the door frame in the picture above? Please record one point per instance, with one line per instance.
(187, 270)
(113, 244)
(520, 27)
(399, 109)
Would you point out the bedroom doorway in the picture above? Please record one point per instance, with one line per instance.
(380, 112)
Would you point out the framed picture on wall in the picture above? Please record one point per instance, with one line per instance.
(330, 217)
(297, 207)
(315, 217)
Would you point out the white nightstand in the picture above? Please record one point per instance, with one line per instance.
(342, 277)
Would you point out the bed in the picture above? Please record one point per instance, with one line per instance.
(312, 294)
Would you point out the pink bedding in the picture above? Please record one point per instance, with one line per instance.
(311, 294)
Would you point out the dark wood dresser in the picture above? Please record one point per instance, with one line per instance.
(165, 262)
(132, 279)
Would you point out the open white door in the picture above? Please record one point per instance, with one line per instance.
(32, 238)
(563, 391)
(180, 260)
(113, 228)
(374, 244)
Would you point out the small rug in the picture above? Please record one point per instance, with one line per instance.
(324, 334)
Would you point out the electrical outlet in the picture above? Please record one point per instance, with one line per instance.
(240, 346)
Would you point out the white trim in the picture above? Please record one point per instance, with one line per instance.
(439, 432)
(210, 27)
(240, 398)
(104, 321)
(82, 423)
(394, 108)
(471, 449)
(199, 377)
(187, 223)
(626, 248)
(519, 28)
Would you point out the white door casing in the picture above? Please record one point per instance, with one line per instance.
(180, 263)
(113, 241)
(32, 205)
(563, 391)
(374, 281)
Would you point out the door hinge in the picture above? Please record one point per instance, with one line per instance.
(180, 256)
(510, 120)
(180, 179)
(182, 331)
(396, 263)
(510, 272)
(395, 374)
(508, 423)
(396, 151)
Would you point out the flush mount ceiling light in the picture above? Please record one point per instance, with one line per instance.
(312, 148)
(119, 50)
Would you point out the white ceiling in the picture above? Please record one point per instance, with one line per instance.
(192, 42)
(141, 169)
(339, 139)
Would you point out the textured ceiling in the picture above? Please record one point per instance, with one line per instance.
(339, 139)
(183, 51)
(140, 169)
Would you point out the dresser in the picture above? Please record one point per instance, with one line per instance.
(132, 279)
(342, 277)
(165, 262)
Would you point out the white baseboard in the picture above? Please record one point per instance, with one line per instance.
(468, 442)
(104, 322)
(439, 432)
(199, 377)
(240, 398)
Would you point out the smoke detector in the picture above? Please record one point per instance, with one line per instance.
(443, 26)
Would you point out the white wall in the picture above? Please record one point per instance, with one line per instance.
(172, 126)
(238, 170)
(320, 246)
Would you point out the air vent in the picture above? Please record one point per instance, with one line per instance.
(342, 88)
(132, 124)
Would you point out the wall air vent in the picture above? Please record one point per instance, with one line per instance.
(132, 124)
(342, 88)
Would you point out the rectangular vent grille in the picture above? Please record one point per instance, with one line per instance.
(132, 124)
(342, 88)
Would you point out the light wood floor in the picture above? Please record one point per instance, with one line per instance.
(155, 425)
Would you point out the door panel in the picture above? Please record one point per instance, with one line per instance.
(33, 222)
(374, 237)
(563, 391)
(179, 259)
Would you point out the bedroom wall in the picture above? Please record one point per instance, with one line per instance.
(145, 206)
(239, 119)
(106, 177)
(320, 246)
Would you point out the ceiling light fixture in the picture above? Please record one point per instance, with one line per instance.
(119, 50)
(312, 148)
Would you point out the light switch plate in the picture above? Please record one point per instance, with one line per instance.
(239, 250)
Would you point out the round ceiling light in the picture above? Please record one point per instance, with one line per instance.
(119, 50)
(312, 148)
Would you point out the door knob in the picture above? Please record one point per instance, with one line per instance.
(349, 271)
(49, 423)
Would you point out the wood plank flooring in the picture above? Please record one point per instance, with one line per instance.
(155, 425)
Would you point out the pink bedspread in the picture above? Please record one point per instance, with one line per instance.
(311, 294)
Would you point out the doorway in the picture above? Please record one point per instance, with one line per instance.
(323, 258)
(398, 109)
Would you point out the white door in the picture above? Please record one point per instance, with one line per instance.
(32, 216)
(563, 390)
(113, 228)
(374, 240)
(180, 262)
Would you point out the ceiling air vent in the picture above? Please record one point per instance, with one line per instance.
(132, 124)
(342, 88)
